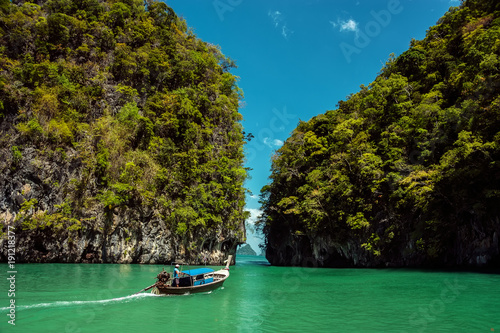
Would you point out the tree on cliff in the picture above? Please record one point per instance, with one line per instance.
(117, 125)
(407, 170)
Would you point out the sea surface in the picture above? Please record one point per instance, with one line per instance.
(256, 298)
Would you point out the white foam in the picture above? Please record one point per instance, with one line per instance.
(59, 304)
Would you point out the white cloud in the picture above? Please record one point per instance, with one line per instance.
(277, 143)
(254, 215)
(349, 25)
(273, 143)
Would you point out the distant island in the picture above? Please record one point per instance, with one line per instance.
(246, 250)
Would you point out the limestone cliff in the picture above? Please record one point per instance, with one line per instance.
(326, 251)
(405, 172)
(120, 136)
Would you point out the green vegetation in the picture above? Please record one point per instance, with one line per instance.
(150, 110)
(16, 154)
(408, 167)
(60, 219)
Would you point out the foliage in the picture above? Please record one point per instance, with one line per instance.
(16, 154)
(409, 163)
(151, 110)
(61, 219)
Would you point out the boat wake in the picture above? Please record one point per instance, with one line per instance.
(60, 304)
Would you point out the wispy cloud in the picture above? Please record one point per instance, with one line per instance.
(285, 31)
(276, 16)
(273, 143)
(279, 23)
(346, 25)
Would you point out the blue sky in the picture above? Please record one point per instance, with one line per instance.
(297, 59)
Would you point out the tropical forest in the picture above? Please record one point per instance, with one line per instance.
(405, 172)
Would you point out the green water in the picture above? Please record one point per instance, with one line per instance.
(255, 298)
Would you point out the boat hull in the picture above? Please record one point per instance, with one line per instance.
(168, 290)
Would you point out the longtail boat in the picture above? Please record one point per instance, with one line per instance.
(191, 281)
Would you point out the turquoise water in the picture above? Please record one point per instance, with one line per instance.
(255, 298)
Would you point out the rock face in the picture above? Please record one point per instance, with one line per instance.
(121, 235)
(324, 251)
(120, 136)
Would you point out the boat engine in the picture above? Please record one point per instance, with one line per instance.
(163, 277)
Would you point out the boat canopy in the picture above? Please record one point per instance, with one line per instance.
(198, 271)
